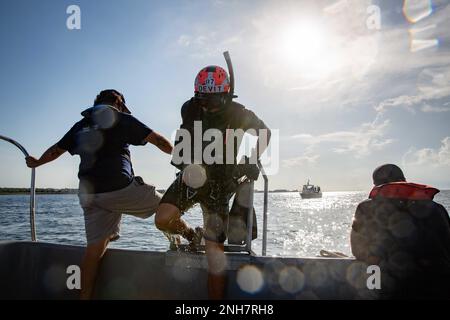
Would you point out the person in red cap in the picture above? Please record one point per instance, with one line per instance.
(403, 231)
(108, 186)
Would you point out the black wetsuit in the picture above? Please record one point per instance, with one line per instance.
(221, 184)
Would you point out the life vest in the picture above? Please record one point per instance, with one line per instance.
(404, 190)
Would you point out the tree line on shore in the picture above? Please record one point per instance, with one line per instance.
(38, 191)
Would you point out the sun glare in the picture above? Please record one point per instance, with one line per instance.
(300, 53)
(304, 48)
(302, 42)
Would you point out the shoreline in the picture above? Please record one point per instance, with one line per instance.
(22, 191)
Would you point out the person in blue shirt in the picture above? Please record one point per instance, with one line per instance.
(108, 186)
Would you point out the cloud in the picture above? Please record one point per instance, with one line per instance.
(428, 108)
(184, 40)
(206, 45)
(429, 156)
(360, 142)
(301, 161)
(403, 101)
(432, 84)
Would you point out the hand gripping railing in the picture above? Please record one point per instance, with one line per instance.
(32, 188)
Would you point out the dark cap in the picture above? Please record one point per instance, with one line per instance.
(387, 173)
(109, 97)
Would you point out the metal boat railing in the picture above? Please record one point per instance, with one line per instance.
(265, 205)
(247, 247)
(32, 187)
(250, 213)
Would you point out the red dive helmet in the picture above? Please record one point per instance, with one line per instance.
(212, 79)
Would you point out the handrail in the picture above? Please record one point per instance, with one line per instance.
(266, 193)
(32, 187)
(248, 244)
(250, 212)
(266, 200)
(249, 236)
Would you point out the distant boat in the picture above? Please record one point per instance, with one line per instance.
(310, 191)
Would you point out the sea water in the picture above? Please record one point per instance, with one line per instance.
(296, 227)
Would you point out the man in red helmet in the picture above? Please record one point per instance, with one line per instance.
(403, 231)
(210, 184)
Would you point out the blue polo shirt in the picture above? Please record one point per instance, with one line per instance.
(102, 140)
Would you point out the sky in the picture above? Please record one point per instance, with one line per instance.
(347, 85)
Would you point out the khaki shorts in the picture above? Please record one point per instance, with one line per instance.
(103, 211)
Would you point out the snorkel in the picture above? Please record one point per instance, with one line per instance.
(230, 94)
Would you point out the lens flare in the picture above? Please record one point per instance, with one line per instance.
(356, 275)
(291, 279)
(416, 10)
(250, 279)
(194, 176)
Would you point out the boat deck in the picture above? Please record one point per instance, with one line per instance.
(37, 270)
